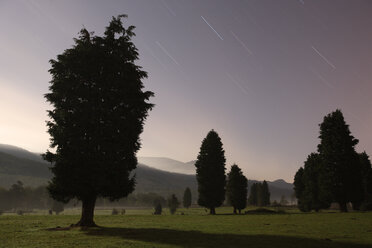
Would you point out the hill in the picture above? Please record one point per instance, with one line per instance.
(167, 164)
(19, 164)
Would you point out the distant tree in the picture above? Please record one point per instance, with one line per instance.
(236, 188)
(253, 198)
(265, 194)
(173, 204)
(299, 189)
(99, 110)
(158, 209)
(340, 179)
(210, 172)
(57, 207)
(187, 198)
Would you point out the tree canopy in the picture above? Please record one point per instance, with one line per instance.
(99, 108)
(236, 188)
(210, 172)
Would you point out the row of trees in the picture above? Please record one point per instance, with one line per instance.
(211, 178)
(336, 172)
(259, 194)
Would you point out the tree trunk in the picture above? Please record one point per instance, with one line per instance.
(87, 213)
(240, 211)
(343, 207)
(212, 210)
(234, 210)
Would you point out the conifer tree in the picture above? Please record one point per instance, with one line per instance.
(99, 108)
(252, 199)
(340, 179)
(187, 198)
(236, 188)
(210, 172)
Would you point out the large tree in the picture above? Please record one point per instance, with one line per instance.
(265, 194)
(210, 172)
(236, 188)
(187, 198)
(340, 178)
(99, 108)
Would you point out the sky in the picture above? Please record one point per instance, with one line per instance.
(262, 73)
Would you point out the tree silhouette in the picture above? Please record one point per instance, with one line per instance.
(173, 204)
(253, 198)
(236, 188)
(187, 198)
(99, 111)
(310, 196)
(340, 179)
(210, 172)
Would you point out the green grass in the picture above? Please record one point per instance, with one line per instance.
(138, 228)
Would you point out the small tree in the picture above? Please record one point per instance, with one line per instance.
(57, 207)
(265, 194)
(236, 188)
(210, 172)
(187, 198)
(99, 109)
(173, 204)
(158, 209)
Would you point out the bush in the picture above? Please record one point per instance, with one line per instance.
(115, 211)
(122, 212)
(158, 209)
(1, 212)
(20, 212)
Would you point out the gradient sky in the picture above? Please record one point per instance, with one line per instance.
(261, 73)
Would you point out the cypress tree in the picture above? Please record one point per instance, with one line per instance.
(265, 194)
(187, 198)
(99, 110)
(236, 188)
(210, 172)
(252, 199)
(340, 179)
(173, 203)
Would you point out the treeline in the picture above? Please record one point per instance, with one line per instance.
(336, 172)
(259, 194)
(21, 198)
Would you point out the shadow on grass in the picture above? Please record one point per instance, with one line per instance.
(211, 240)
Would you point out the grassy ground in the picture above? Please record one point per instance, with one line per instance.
(138, 228)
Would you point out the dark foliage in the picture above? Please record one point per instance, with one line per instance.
(187, 198)
(259, 194)
(99, 108)
(210, 172)
(307, 185)
(158, 209)
(340, 179)
(236, 188)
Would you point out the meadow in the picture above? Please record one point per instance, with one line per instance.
(195, 228)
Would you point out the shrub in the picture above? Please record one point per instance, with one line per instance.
(115, 211)
(122, 212)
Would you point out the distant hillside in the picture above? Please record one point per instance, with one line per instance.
(19, 164)
(21, 153)
(168, 164)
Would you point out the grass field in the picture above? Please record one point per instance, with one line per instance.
(138, 228)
